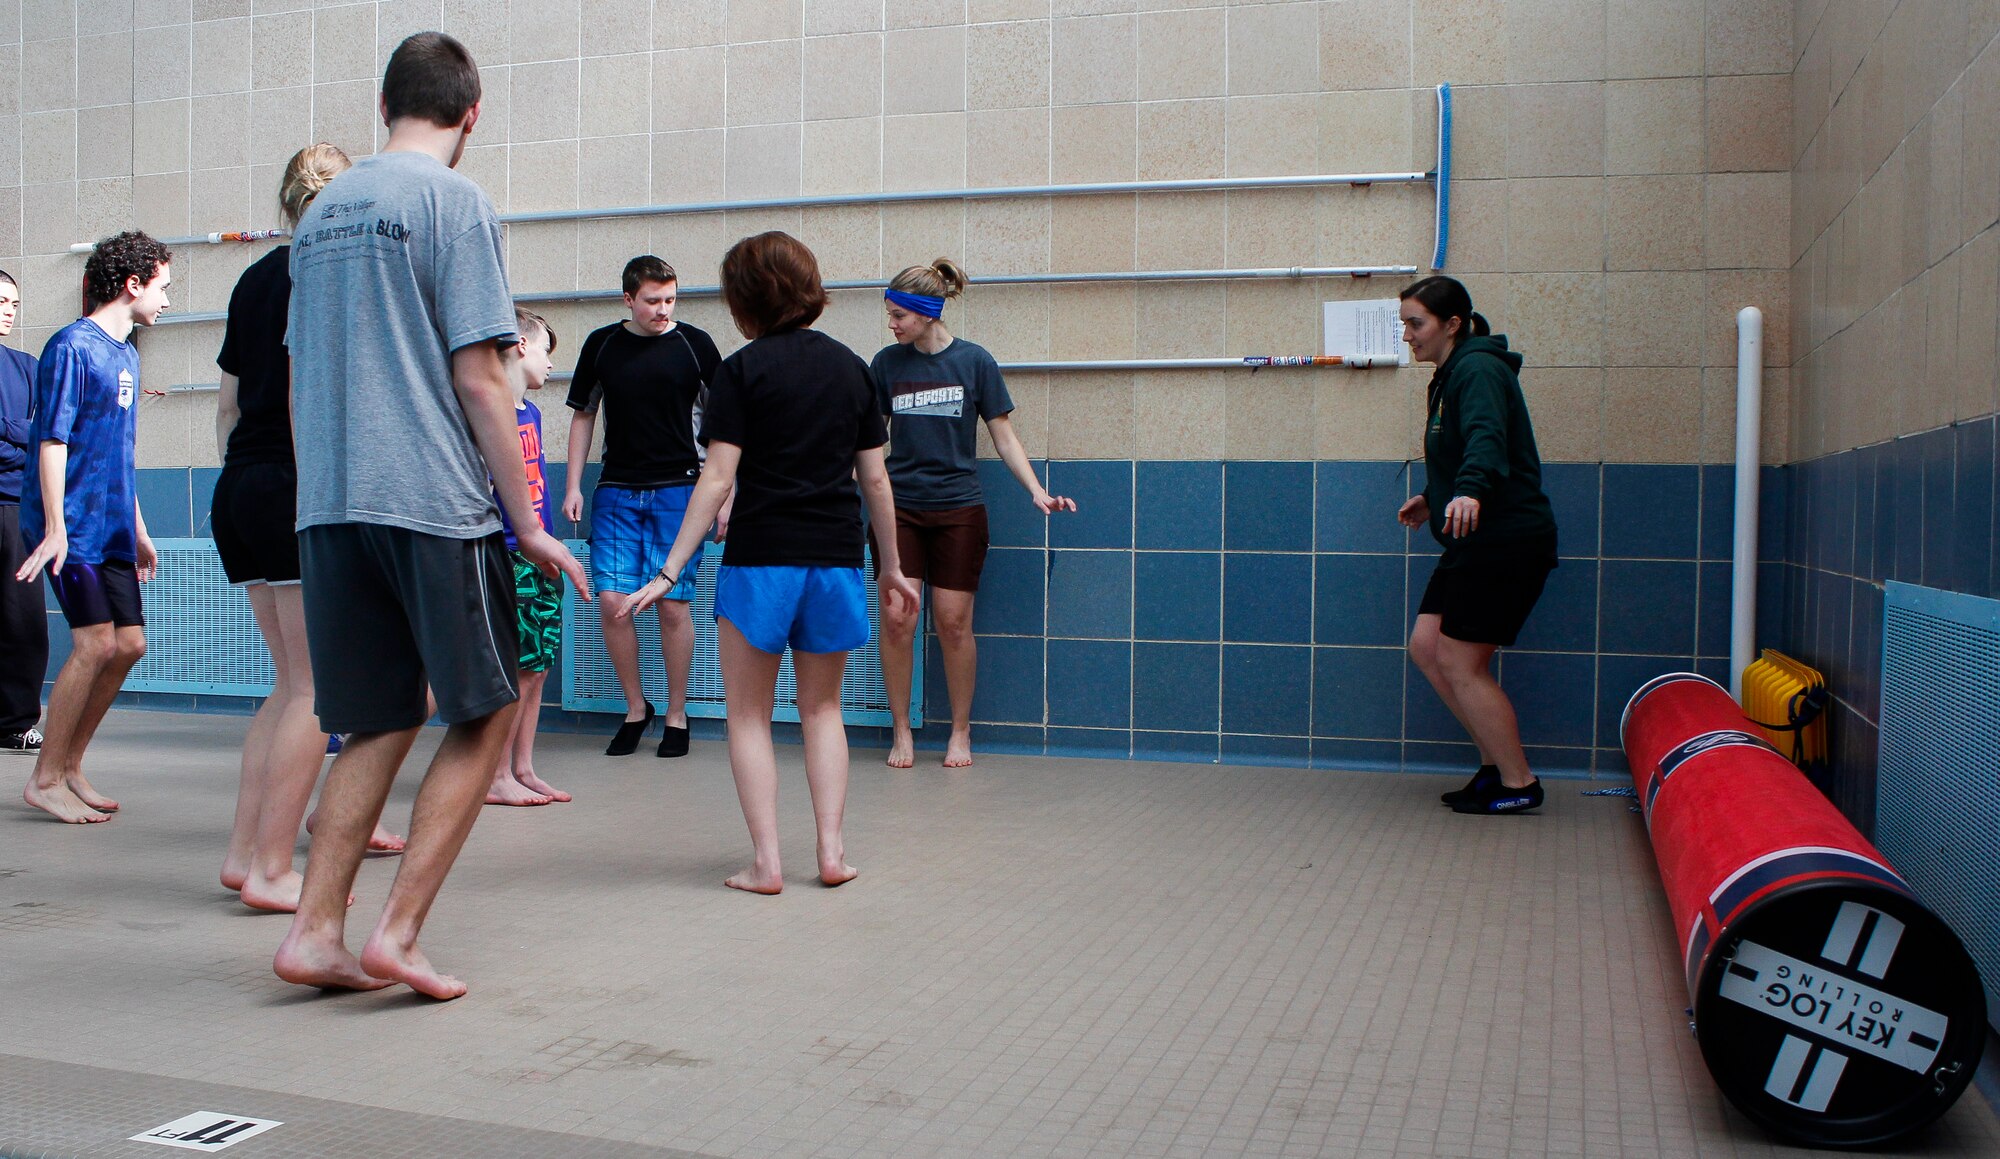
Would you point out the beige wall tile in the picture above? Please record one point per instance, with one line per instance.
(1479, 216)
(1265, 134)
(1180, 414)
(1274, 48)
(1091, 416)
(843, 76)
(160, 203)
(925, 151)
(1007, 65)
(1093, 321)
(10, 151)
(165, 428)
(614, 170)
(1007, 147)
(1030, 419)
(543, 101)
(1183, 54)
(542, 257)
(217, 136)
(919, 232)
(985, 11)
(1652, 415)
(842, 156)
(1094, 142)
(687, 89)
(471, 21)
(1558, 319)
(762, 161)
(1275, 317)
(1939, 379)
(1092, 233)
(924, 13)
(1749, 36)
(846, 239)
(1978, 313)
(1269, 414)
(1653, 319)
(689, 23)
(345, 114)
(1181, 319)
(218, 199)
(1363, 45)
(47, 19)
(1557, 130)
(1007, 237)
(1749, 123)
(1460, 42)
(1980, 199)
(1373, 226)
(1731, 290)
(106, 64)
(344, 40)
(923, 70)
(763, 83)
(1718, 417)
(1566, 407)
(486, 165)
(1094, 60)
(602, 249)
(1272, 227)
(1555, 40)
(48, 77)
(1747, 217)
(1654, 222)
(280, 122)
(222, 57)
(823, 17)
(281, 52)
(1479, 131)
(1653, 38)
(104, 206)
(104, 141)
(1180, 231)
(1556, 223)
(1369, 131)
(1653, 126)
(48, 147)
(614, 27)
(545, 30)
(763, 20)
(616, 95)
(1374, 414)
(542, 175)
(1010, 321)
(1180, 140)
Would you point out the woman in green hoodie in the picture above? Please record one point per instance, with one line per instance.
(1483, 501)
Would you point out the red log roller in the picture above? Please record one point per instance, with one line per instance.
(1831, 1006)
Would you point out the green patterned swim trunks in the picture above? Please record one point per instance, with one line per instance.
(538, 615)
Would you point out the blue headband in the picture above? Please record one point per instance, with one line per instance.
(923, 304)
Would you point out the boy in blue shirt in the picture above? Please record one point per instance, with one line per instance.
(24, 626)
(79, 513)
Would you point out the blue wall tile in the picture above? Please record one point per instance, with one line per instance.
(1618, 677)
(1773, 486)
(201, 487)
(1175, 686)
(1718, 512)
(1576, 491)
(1203, 747)
(1109, 743)
(1090, 684)
(1358, 599)
(1713, 610)
(1770, 606)
(1267, 506)
(1458, 757)
(1012, 591)
(163, 497)
(1179, 506)
(1864, 510)
(1651, 512)
(1422, 565)
(1938, 449)
(1647, 606)
(1090, 594)
(1907, 516)
(1356, 506)
(1358, 692)
(1267, 598)
(1010, 680)
(1864, 665)
(1554, 761)
(1265, 750)
(1178, 595)
(1972, 509)
(1565, 618)
(1266, 690)
(1371, 756)
(1010, 738)
(1011, 520)
(1425, 717)
(1553, 695)
(1102, 489)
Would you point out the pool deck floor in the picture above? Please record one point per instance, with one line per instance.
(1042, 957)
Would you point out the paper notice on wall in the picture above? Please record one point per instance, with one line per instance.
(1368, 333)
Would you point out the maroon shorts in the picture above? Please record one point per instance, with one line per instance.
(946, 549)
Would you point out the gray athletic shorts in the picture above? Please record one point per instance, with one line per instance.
(389, 610)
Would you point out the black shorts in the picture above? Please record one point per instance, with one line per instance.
(946, 549)
(389, 610)
(252, 519)
(99, 593)
(1486, 599)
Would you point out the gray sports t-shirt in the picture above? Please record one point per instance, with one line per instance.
(934, 403)
(397, 264)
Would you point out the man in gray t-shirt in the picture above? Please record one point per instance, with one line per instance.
(401, 413)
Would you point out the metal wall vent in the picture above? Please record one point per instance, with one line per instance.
(200, 635)
(1937, 812)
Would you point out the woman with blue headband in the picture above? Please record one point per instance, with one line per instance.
(935, 389)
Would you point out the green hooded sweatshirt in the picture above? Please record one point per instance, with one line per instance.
(1478, 442)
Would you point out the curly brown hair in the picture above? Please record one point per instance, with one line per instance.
(132, 254)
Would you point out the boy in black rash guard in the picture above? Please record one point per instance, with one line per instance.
(654, 373)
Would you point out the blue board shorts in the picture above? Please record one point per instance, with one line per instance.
(813, 609)
(631, 531)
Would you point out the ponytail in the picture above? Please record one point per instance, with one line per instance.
(1447, 298)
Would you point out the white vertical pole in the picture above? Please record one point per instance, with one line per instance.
(1749, 455)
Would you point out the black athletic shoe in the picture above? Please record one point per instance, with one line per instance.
(1500, 799)
(27, 742)
(1486, 776)
(625, 741)
(673, 742)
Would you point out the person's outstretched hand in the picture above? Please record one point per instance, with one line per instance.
(899, 595)
(1415, 512)
(548, 553)
(1049, 504)
(1461, 516)
(573, 506)
(52, 552)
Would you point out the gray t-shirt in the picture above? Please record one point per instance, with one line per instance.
(934, 403)
(397, 264)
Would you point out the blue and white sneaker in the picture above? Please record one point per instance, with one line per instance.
(27, 742)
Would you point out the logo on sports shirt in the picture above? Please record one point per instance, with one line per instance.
(125, 389)
(941, 400)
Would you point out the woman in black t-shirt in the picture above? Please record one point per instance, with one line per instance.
(791, 423)
(252, 520)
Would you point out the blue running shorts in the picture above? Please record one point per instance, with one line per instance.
(814, 609)
(631, 532)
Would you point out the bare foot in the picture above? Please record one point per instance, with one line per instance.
(380, 841)
(62, 804)
(958, 751)
(752, 880)
(280, 895)
(407, 964)
(79, 785)
(836, 872)
(508, 791)
(902, 751)
(329, 967)
(233, 874)
(537, 785)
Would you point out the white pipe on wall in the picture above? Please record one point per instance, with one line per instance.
(1749, 456)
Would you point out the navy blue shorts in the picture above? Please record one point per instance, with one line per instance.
(813, 609)
(99, 593)
(631, 531)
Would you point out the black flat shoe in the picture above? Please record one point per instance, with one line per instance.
(1486, 777)
(1499, 800)
(673, 742)
(625, 741)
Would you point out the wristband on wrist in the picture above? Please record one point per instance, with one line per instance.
(672, 581)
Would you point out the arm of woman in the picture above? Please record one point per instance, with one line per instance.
(898, 593)
(1482, 429)
(582, 428)
(717, 483)
(1008, 443)
(227, 411)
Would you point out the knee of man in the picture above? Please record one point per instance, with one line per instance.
(131, 650)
